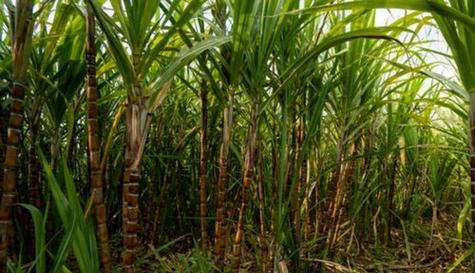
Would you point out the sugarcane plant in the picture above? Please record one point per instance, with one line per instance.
(96, 178)
(235, 136)
(22, 21)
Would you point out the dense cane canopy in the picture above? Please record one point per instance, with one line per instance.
(237, 136)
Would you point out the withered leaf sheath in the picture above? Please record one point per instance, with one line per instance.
(136, 137)
(220, 225)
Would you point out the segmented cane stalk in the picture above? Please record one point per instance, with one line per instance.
(472, 157)
(138, 124)
(203, 168)
(131, 196)
(21, 51)
(34, 168)
(3, 138)
(95, 176)
(9, 172)
(247, 178)
(220, 226)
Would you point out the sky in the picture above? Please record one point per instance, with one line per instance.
(385, 17)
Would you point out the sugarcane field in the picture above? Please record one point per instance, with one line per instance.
(237, 136)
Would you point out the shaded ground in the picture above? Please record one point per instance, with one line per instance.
(416, 252)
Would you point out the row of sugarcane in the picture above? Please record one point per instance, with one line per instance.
(245, 69)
